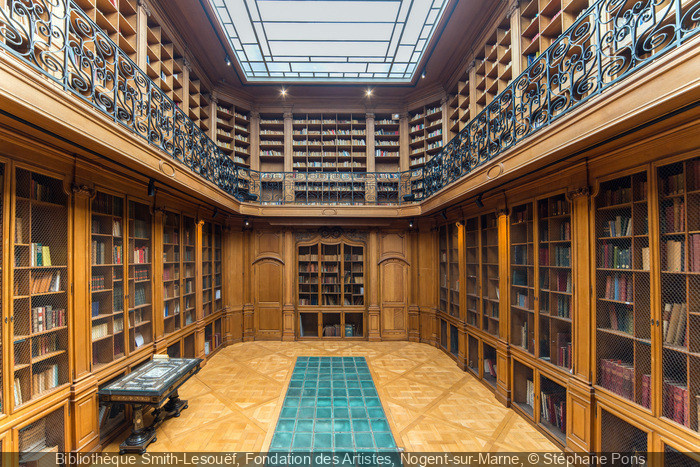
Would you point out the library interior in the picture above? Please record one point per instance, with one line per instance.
(320, 202)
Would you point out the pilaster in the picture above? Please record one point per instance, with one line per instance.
(374, 311)
(288, 321)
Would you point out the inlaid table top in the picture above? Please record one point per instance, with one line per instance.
(152, 379)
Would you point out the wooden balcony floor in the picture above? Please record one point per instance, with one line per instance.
(431, 405)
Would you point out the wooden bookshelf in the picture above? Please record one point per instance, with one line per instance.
(140, 276)
(425, 134)
(117, 18)
(207, 268)
(522, 300)
(487, 72)
(623, 308)
(233, 131)
(217, 285)
(172, 272)
(40, 280)
(3, 405)
(199, 110)
(618, 435)
(212, 337)
(386, 143)
(107, 280)
(40, 440)
(443, 271)
(111, 417)
(490, 274)
(488, 365)
(472, 278)
(189, 270)
(272, 142)
(329, 143)
(679, 247)
(543, 21)
(473, 357)
(459, 105)
(551, 415)
(524, 388)
(188, 346)
(332, 276)
(555, 287)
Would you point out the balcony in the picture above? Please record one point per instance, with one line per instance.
(606, 44)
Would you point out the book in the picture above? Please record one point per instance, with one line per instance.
(19, 230)
(645, 258)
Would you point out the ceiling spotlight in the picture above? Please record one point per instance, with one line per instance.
(228, 60)
(151, 188)
(410, 224)
(246, 222)
(422, 75)
(283, 92)
(369, 92)
(478, 202)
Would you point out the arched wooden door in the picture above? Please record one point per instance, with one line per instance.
(394, 294)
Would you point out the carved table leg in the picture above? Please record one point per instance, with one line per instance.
(140, 436)
(175, 405)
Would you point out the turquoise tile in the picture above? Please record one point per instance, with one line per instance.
(296, 384)
(384, 440)
(364, 440)
(324, 412)
(310, 384)
(375, 412)
(358, 412)
(294, 392)
(341, 413)
(288, 412)
(323, 426)
(323, 402)
(324, 384)
(281, 441)
(305, 412)
(286, 425)
(341, 425)
(356, 402)
(308, 402)
(309, 393)
(353, 384)
(324, 392)
(369, 392)
(302, 441)
(380, 425)
(340, 402)
(372, 402)
(367, 384)
(343, 441)
(360, 424)
(323, 441)
(339, 392)
(306, 426)
(291, 402)
(354, 392)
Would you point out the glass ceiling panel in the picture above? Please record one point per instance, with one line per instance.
(329, 40)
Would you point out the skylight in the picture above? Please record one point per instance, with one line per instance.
(329, 40)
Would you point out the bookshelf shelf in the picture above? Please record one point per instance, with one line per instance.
(140, 276)
(108, 262)
(232, 129)
(172, 271)
(424, 123)
(40, 277)
(207, 255)
(387, 132)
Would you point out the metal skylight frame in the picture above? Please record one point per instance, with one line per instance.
(288, 40)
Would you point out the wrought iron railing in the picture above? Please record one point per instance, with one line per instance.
(609, 41)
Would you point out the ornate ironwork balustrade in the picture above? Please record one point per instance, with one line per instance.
(608, 42)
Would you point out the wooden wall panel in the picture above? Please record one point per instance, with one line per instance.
(394, 283)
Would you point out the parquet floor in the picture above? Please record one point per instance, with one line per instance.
(431, 404)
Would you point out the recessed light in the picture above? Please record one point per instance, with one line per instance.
(228, 60)
(283, 92)
(368, 92)
(422, 75)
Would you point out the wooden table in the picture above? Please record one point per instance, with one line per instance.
(149, 386)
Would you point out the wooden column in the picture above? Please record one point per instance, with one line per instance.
(515, 38)
(472, 90)
(503, 388)
(83, 391)
(369, 138)
(157, 268)
(234, 283)
(199, 299)
(462, 329)
(142, 14)
(374, 331)
(288, 321)
(288, 188)
(413, 307)
(248, 307)
(579, 389)
(445, 120)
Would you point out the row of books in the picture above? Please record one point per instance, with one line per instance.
(675, 184)
(621, 318)
(170, 273)
(520, 277)
(140, 228)
(141, 274)
(520, 254)
(171, 236)
(116, 227)
(619, 287)
(98, 282)
(522, 215)
(564, 349)
(615, 257)
(46, 281)
(522, 300)
(106, 204)
(490, 367)
(118, 299)
(618, 377)
(45, 318)
(676, 404)
(563, 232)
(41, 345)
(39, 191)
(674, 250)
(621, 226)
(40, 255)
(140, 295)
(33, 438)
(530, 393)
(556, 207)
(674, 324)
(141, 254)
(553, 406)
(312, 267)
(674, 217)
(563, 307)
(171, 311)
(617, 196)
(100, 330)
(562, 281)
(46, 379)
(562, 256)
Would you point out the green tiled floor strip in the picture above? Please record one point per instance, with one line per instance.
(332, 405)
